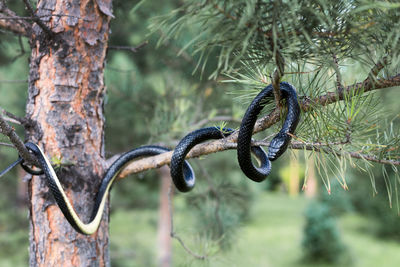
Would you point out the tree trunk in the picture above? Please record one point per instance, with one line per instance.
(65, 99)
(164, 221)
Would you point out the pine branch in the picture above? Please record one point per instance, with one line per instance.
(367, 85)
(267, 121)
(327, 148)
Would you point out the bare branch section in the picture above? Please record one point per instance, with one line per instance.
(319, 147)
(16, 141)
(265, 122)
(17, 25)
(13, 27)
(367, 85)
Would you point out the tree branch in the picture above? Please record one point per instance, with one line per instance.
(18, 26)
(133, 49)
(265, 122)
(17, 142)
(321, 147)
(367, 85)
(13, 27)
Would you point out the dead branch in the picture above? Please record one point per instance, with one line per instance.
(17, 142)
(18, 26)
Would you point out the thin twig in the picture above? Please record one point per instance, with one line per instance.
(174, 235)
(133, 49)
(15, 119)
(216, 195)
(327, 148)
(6, 144)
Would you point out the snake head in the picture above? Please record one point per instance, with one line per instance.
(278, 145)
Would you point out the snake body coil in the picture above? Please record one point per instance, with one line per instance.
(194, 138)
(181, 172)
(279, 143)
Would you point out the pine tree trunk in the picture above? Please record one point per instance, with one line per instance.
(65, 98)
(164, 221)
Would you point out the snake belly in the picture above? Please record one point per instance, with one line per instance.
(65, 205)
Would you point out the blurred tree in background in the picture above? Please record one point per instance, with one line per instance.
(336, 53)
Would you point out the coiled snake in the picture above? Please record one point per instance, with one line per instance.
(181, 172)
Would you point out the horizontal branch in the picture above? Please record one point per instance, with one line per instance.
(320, 147)
(265, 122)
(367, 85)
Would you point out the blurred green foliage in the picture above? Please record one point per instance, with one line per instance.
(321, 237)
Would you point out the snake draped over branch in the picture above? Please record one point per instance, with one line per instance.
(181, 172)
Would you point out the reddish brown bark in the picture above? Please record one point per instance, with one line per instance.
(66, 92)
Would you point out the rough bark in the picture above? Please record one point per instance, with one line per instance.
(65, 99)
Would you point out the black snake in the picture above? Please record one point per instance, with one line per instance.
(181, 172)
